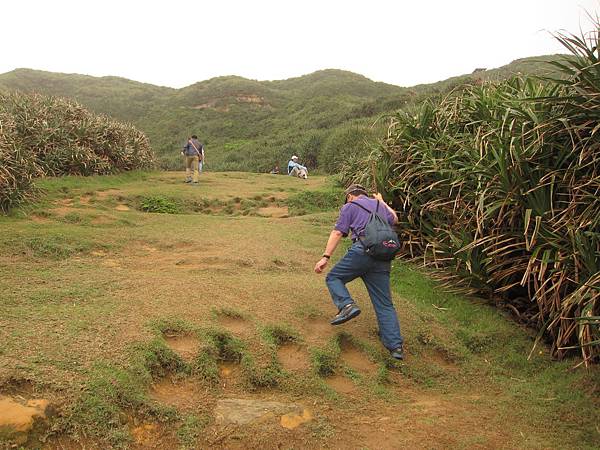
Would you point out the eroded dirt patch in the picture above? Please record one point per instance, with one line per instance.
(276, 212)
(236, 325)
(39, 219)
(184, 394)
(230, 374)
(318, 330)
(293, 358)
(109, 193)
(184, 345)
(62, 211)
(145, 434)
(355, 359)
(341, 384)
(18, 415)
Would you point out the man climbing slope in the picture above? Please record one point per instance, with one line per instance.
(375, 273)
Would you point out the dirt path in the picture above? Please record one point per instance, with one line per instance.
(96, 290)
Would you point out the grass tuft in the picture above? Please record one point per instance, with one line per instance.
(277, 334)
(160, 204)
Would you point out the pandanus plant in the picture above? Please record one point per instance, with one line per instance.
(49, 136)
(499, 186)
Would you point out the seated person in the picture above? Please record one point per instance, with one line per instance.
(275, 170)
(297, 170)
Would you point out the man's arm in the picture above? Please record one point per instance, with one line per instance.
(389, 208)
(334, 239)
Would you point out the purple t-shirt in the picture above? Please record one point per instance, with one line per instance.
(353, 218)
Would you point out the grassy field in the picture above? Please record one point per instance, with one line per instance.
(137, 304)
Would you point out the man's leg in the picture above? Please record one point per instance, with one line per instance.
(378, 285)
(347, 269)
(195, 168)
(294, 172)
(188, 168)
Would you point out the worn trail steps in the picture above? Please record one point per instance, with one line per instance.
(220, 296)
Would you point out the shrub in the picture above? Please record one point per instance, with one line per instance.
(314, 201)
(345, 142)
(159, 204)
(50, 136)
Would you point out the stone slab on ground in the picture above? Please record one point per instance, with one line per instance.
(243, 411)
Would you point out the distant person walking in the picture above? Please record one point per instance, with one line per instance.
(295, 169)
(192, 151)
(353, 218)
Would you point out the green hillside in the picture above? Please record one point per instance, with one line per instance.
(253, 125)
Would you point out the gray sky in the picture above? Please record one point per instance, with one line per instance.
(177, 43)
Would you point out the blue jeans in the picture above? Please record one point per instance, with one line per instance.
(376, 276)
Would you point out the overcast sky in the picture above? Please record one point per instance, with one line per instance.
(176, 43)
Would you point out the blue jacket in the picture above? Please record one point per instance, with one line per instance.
(293, 164)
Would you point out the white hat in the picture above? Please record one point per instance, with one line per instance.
(294, 157)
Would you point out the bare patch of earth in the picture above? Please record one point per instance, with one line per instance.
(318, 330)
(293, 358)
(185, 346)
(184, 394)
(341, 384)
(276, 212)
(40, 219)
(236, 325)
(63, 210)
(230, 374)
(109, 193)
(356, 359)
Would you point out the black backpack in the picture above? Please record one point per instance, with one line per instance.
(380, 240)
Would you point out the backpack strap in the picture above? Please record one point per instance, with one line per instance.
(370, 212)
(197, 152)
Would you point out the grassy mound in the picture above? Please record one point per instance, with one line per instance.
(52, 136)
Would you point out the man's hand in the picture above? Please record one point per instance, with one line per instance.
(321, 265)
(380, 198)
